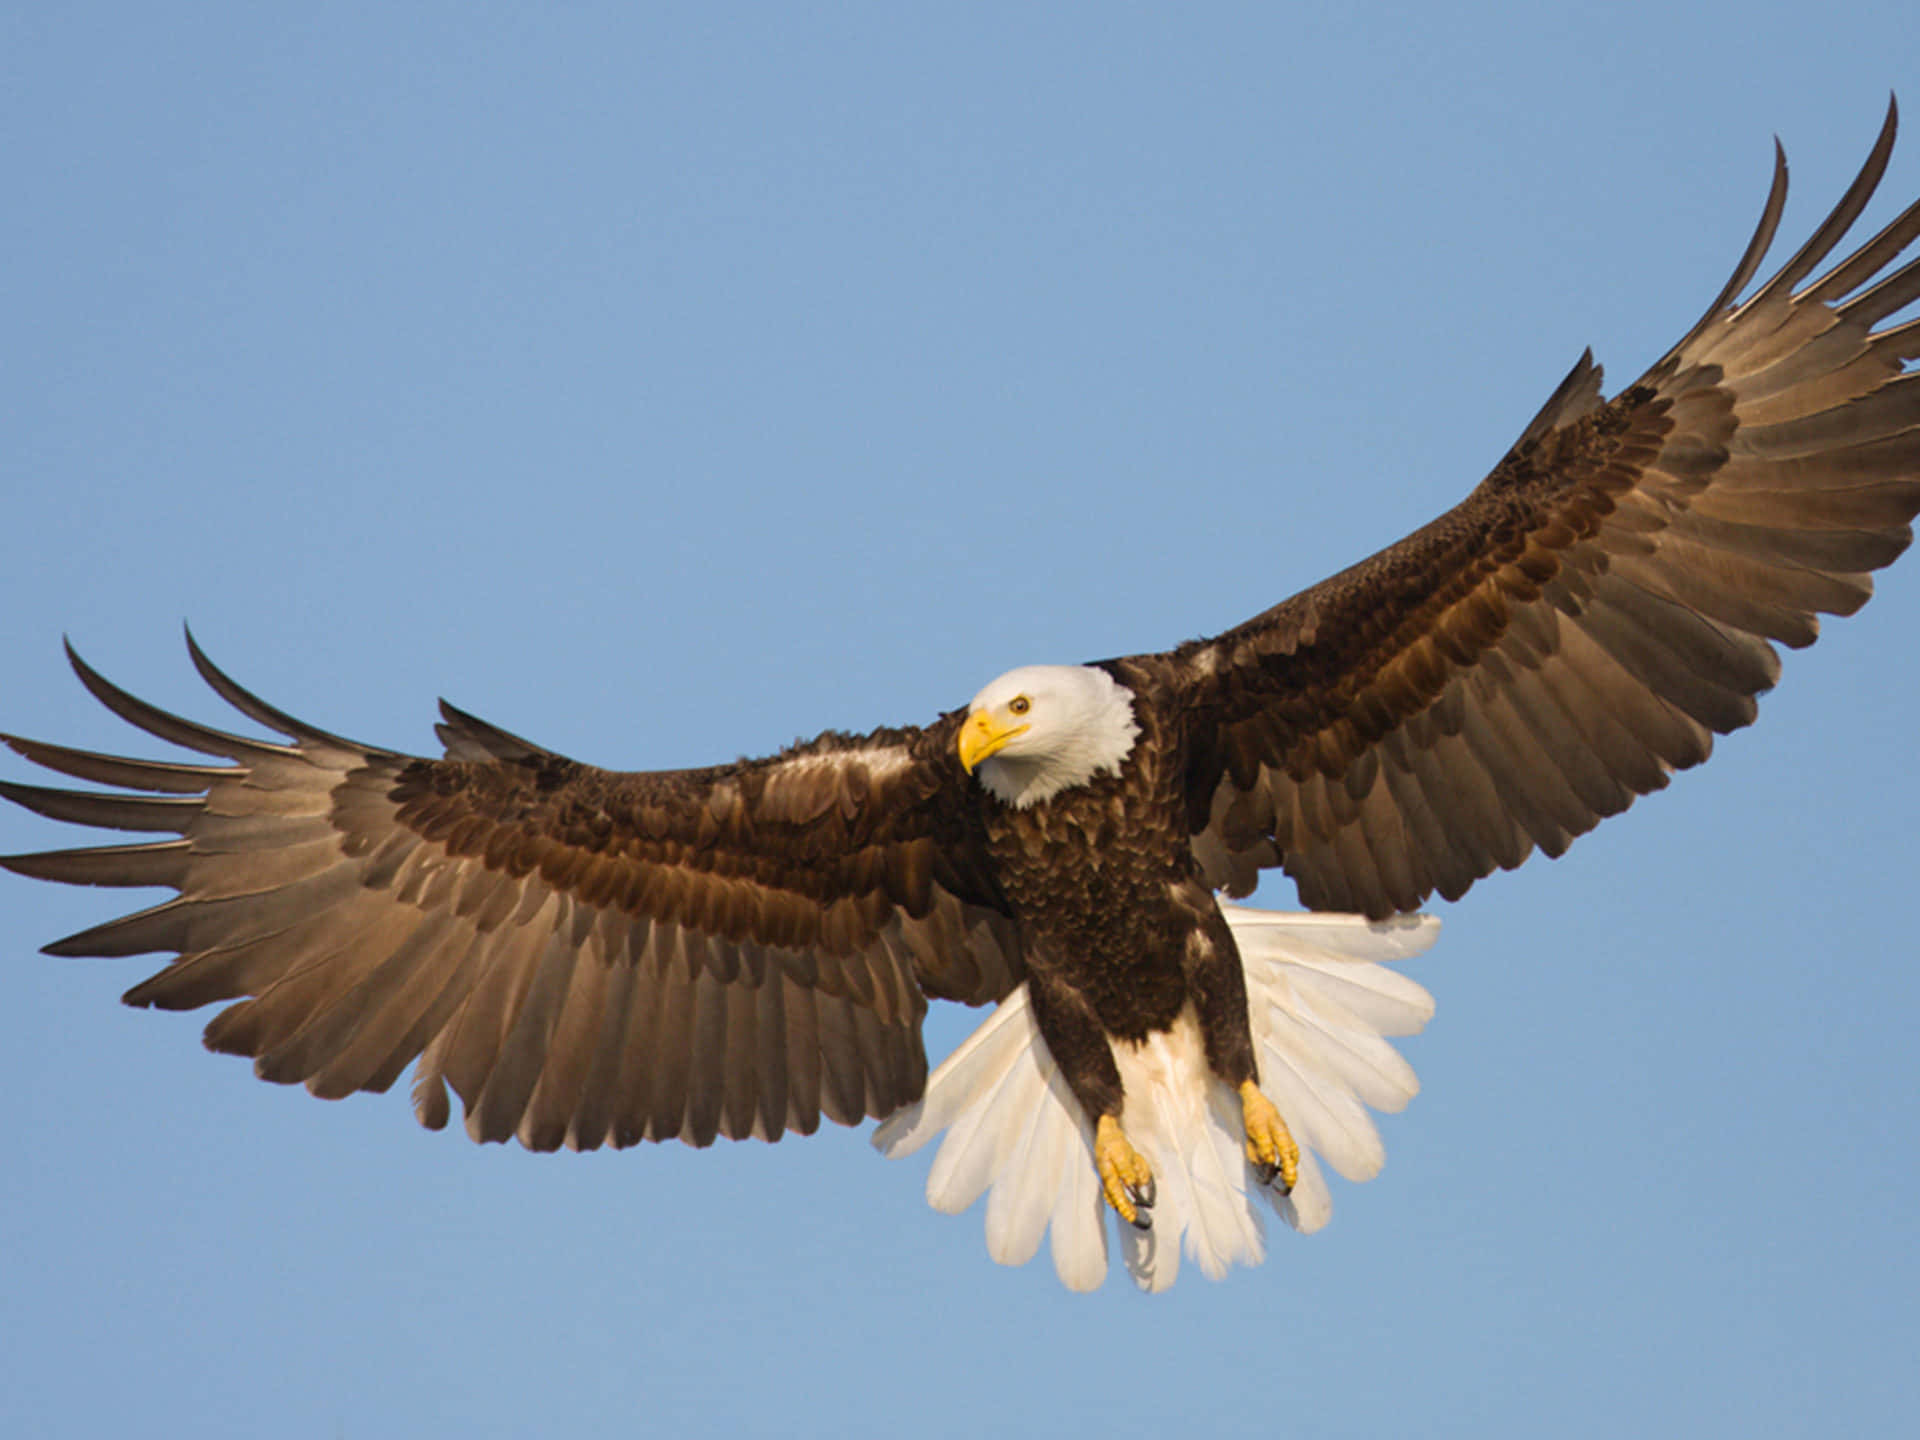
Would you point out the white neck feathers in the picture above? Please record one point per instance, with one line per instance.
(1080, 724)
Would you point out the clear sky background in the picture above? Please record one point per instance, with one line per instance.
(667, 383)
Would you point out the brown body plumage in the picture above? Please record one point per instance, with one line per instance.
(1119, 931)
(594, 958)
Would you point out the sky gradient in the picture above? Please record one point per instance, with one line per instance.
(665, 385)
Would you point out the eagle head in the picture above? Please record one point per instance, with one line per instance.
(1043, 728)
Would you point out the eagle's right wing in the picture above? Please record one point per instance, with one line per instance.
(585, 957)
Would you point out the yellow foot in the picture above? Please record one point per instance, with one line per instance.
(1125, 1175)
(1270, 1147)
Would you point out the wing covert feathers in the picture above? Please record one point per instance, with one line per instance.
(1321, 1000)
(585, 958)
(1601, 607)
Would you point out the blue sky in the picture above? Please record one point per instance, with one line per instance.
(667, 383)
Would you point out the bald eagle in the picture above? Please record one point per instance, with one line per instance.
(595, 958)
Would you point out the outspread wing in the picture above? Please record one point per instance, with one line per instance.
(1593, 614)
(585, 957)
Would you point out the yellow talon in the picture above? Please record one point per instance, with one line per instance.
(1270, 1147)
(1125, 1175)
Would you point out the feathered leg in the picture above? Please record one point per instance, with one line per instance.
(1217, 981)
(1085, 1057)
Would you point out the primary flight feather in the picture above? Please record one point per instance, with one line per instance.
(593, 958)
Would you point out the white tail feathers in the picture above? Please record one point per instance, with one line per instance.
(1320, 1003)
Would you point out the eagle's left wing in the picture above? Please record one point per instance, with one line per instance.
(1592, 615)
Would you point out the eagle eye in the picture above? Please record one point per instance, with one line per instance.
(1019, 705)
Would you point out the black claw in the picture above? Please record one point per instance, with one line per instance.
(1142, 1197)
(1270, 1175)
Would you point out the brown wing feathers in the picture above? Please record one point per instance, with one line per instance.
(585, 958)
(1595, 612)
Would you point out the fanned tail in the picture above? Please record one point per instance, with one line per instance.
(1321, 1003)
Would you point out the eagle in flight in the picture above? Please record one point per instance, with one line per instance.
(591, 958)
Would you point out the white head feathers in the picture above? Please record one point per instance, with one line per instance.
(1043, 728)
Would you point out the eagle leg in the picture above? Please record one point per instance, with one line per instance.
(1270, 1146)
(1125, 1176)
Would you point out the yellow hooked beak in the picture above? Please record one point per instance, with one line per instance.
(983, 735)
